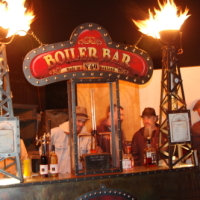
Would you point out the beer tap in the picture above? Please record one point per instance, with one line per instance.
(45, 139)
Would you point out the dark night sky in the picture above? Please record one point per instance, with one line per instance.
(56, 20)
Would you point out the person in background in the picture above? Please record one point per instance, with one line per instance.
(60, 138)
(195, 130)
(150, 129)
(105, 126)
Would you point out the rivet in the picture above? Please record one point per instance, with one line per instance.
(37, 82)
(34, 51)
(26, 67)
(43, 49)
(82, 27)
(28, 58)
(74, 74)
(52, 46)
(90, 25)
(99, 28)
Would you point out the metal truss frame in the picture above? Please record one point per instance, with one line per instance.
(6, 114)
(172, 99)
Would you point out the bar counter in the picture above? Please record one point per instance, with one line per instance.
(145, 183)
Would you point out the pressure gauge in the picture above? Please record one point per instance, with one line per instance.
(176, 80)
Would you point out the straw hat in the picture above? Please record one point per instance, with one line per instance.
(81, 112)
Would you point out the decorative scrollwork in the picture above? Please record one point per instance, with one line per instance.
(90, 40)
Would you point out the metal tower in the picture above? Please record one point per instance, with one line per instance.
(9, 125)
(172, 101)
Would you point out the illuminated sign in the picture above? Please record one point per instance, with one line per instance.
(90, 52)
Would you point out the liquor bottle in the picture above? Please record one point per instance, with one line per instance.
(149, 154)
(43, 163)
(153, 154)
(53, 161)
(128, 161)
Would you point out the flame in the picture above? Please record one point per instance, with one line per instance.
(169, 17)
(15, 17)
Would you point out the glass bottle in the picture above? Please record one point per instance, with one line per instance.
(150, 157)
(53, 160)
(43, 163)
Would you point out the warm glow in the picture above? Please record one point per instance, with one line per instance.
(8, 181)
(169, 17)
(15, 17)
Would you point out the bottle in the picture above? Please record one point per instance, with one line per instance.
(43, 163)
(150, 157)
(127, 162)
(53, 161)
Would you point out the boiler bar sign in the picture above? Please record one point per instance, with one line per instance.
(90, 52)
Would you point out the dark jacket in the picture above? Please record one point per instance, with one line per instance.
(104, 140)
(196, 135)
(139, 143)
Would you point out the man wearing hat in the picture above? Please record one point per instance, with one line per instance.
(151, 130)
(60, 138)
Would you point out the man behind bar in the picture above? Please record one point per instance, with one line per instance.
(60, 138)
(105, 126)
(151, 130)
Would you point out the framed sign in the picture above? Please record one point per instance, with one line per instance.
(179, 126)
(9, 136)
